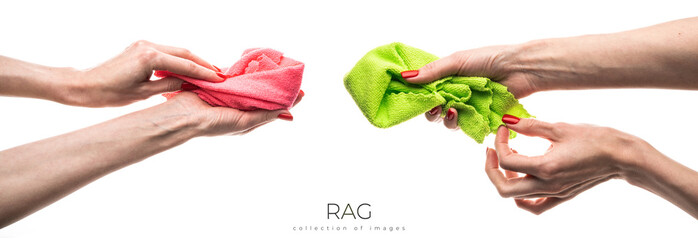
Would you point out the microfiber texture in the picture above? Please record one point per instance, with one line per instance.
(262, 79)
(386, 99)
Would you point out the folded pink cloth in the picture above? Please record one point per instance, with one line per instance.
(262, 79)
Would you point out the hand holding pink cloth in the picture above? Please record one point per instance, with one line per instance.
(262, 79)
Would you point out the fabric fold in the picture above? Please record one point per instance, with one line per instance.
(262, 79)
(386, 99)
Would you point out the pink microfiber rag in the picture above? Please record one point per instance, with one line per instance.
(262, 79)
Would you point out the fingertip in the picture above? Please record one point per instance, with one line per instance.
(434, 114)
(221, 77)
(409, 74)
(501, 141)
(451, 114)
(510, 119)
(300, 96)
(503, 131)
(451, 119)
(161, 73)
(535, 128)
(415, 76)
(285, 116)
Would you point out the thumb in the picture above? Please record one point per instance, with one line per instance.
(435, 70)
(259, 117)
(531, 127)
(167, 84)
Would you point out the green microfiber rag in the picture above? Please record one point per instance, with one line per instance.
(386, 99)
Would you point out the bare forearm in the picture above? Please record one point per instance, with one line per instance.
(660, 56)
(23, 79)
(665, 177)
(37, 174)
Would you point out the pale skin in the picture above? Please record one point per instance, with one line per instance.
(37, 174)
(582, 156)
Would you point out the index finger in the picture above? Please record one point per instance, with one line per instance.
(187, 68)
(510, 160)
(184, 53)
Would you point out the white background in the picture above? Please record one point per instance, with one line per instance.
(417, 174)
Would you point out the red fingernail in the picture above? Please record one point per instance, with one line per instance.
(222, 75)
(285, 116)
(451, 114)
(217, 69)
(409, 74)
(509, 119)
(188, 86)
(434, 110)
(301, 93)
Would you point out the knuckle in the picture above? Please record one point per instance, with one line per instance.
(147, 55)
(536, 211)
(559, 129)
(507, 160)
(140, 43)
(460, 59)
(430, 67)
(503, 192)
(184, 52)
(191, 66)
(531, 124)
(505, 163)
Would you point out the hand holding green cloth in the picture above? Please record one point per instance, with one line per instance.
(386, 99)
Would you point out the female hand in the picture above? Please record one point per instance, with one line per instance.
(212, 121)
(496, 63)
(579, 158)
(126, 78)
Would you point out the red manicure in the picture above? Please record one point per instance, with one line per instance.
(223, 76)
(451, 114)
(509, 119)
(188, 86)
(217, 69)
(409, 74)
(301, 93)
(434, 110)
(285, 116)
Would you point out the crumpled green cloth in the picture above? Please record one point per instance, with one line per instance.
(386, 99)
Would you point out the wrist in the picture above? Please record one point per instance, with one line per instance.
(169, 125)
(537, 62)
(71, 86)
(179, 117)
(631, 155)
